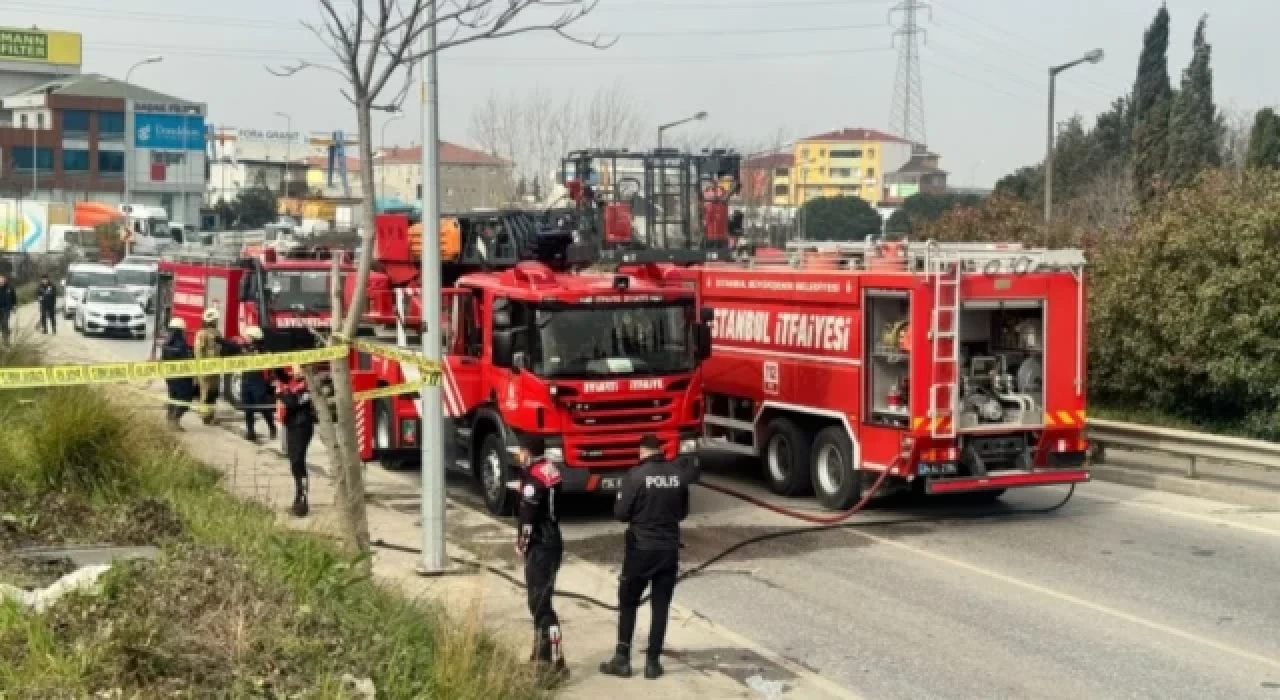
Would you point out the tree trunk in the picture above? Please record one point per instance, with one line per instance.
(348, 468)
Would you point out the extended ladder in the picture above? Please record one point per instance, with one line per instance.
(945, 272)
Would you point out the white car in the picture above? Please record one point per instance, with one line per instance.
(139, 278)
(80, 277)
(111, 310)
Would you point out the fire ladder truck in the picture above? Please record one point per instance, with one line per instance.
(955, 367)
(536, 344)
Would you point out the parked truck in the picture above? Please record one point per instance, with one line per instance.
(955, 367)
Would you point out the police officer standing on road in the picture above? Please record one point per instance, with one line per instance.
(538, 540)
(653, 501)
(298, 418)
(47, 296)
(255, 389)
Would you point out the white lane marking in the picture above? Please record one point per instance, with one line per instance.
(1081, 602)
(1185, 514)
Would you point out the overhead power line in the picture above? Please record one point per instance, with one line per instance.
(595, 58)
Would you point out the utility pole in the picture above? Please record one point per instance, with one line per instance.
(906, 113)
(1093, 56)
(433, 438)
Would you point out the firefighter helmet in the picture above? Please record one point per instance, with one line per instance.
(211, 315)
(177, 324)
(253, 333)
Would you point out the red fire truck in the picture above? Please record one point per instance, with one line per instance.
(535, 345)
(957, 368)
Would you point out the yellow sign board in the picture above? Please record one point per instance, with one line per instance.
(40, 46)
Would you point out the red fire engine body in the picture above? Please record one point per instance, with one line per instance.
(957, 367)
(589, 361)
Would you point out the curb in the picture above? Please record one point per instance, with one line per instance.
(1211, 489)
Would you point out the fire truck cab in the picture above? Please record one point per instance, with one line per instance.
(956, 367)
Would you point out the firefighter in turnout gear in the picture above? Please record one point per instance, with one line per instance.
(255, 388)
(653, 500)
(298, 416)
(538, 540)
(208, 343)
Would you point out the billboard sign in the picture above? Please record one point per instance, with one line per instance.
(40, 46)
(170, 132)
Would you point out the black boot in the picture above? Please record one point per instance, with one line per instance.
(653, 668)
(620, 664)
(300, 506)
(552, 668)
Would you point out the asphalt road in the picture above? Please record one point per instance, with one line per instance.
(1121, 593)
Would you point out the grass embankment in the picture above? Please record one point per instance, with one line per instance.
(234, 606)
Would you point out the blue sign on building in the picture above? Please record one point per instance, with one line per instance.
(169, 132)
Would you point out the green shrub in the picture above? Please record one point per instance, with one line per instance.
(1185, 309)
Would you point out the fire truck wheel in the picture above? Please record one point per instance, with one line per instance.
(786, 457)
(836, 481)
(491, 470)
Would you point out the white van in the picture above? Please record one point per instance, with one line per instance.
(80, 277)
(139, 278)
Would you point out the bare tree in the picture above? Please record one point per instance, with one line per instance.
(537, 129)
(376, 44)
(1238, 124)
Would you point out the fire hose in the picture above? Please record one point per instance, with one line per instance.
(821, 523)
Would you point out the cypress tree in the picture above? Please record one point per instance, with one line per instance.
(1264, 140)
(1151, 97)
(1195, 128)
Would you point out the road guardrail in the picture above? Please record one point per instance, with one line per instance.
(1182, 443)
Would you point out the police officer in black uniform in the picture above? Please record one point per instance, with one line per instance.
(653, 501)
(538, 540)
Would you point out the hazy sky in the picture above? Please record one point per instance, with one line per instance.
(756, 66)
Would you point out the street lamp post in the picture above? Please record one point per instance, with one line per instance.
(695, 118)
(129, 136)
(35, 161)
(1093, 56)
(288, 152)
(382, 173)
(661, 195)
(434, 450)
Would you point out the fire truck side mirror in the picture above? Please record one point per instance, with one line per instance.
(502, 346)
(702, 341)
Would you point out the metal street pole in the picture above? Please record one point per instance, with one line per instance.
(1093, 56)
(35, 162)
(288, 153)
(433, 438)
(129, 137)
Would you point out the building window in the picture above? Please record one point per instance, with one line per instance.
(822, 152)
(22, 159)
(848, 153)
(39, 120)
(871, 153)
(111, 125)
(110, 163)
(22, 121)
(871, 172)
(822, 171)
(75, 161)
(781, 172)
(804, 153)
(75, 121)
(841, 172)
(780, 190)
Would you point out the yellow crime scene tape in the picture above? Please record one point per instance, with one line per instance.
(115, 372)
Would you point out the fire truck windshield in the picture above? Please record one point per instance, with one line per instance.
(613, 340)
(299, 290)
